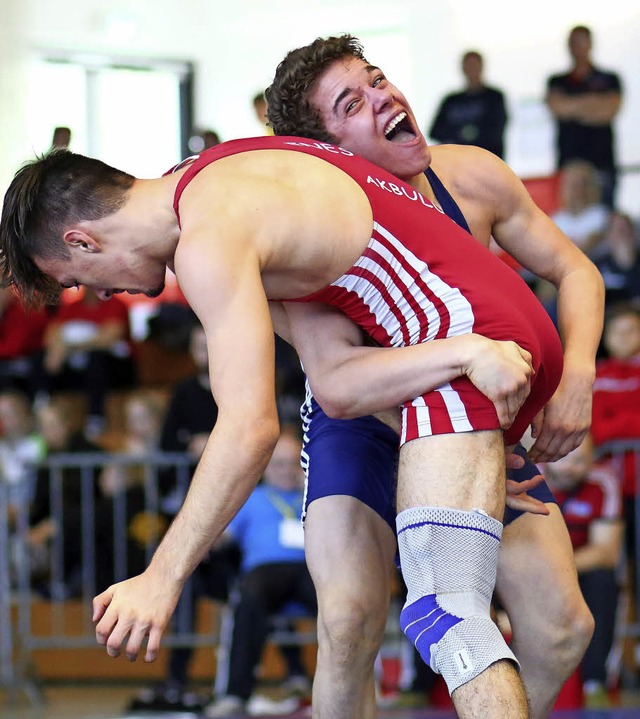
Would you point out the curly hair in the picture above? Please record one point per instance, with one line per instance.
(46, 196)
(289, 110)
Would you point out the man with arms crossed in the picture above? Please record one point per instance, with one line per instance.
(246, 222)
(328, 91)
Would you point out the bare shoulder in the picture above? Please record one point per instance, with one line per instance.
(466, 168)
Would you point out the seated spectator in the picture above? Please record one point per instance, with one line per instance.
(21, 336)
(188, 422)
(619, 260)
(21, 448)
(273, 571)
(581, 216)
(124, 498)
(589, 499)
(616, 398)
(87, 346)
(49, 525)
(190, 416)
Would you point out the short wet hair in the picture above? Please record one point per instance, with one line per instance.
(289, 110)
(45, 197)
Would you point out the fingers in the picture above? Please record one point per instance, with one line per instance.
(553, 445)
(514, 461)
(536, 425)
(153, 644)
(515, 488)
(518, 499)
(525, 503)
(100, 604)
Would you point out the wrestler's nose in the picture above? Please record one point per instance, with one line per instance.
(381, 98)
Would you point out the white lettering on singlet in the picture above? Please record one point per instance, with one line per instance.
(401, 191)
(327, 146)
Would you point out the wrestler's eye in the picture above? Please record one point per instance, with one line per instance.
(351, 106)
(377, 80)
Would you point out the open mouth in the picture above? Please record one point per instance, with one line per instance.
(399, 130)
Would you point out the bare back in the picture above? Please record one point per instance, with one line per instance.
(306, 220)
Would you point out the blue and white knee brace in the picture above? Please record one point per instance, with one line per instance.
(449, 561)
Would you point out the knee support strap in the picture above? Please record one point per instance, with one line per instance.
(449, 562)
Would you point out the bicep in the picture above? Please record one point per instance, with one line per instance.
(530, 236)
(228, 297)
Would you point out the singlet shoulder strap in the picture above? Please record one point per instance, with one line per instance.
(448, 204)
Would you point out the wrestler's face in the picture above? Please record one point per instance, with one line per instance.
(105, 271)
(371, 117)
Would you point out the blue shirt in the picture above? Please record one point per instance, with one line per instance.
(256, 527)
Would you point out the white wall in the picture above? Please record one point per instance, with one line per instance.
(237, 45)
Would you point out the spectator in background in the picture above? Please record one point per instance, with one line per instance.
(21, 337)
(260, 109)
(58, 520)
(274, 571)
(619, 260)
(21, 448)
(474, 116)
(616, 399)
(188, 422)
(589, 498)
(87, 346)
(584, 103)
(581, 216)
(210, 138)
(124, 497)
(61, 137)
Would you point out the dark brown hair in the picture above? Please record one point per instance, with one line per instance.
(288, 108)
(45, 197)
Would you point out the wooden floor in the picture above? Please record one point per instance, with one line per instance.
(110, 702)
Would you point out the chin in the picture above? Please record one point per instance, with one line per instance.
(156, 292)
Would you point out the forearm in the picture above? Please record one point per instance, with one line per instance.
(598, 108)
(580, 318)
(370, 380)
(229, 469)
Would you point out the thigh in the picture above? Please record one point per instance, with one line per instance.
(356, 458)
(350, 551)
(536, 569)
(461, 471)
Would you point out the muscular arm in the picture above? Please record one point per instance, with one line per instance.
(351, 380)
(527, 234)
(226, 293)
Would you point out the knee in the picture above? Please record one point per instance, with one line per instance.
(351, 629)
(569, 631)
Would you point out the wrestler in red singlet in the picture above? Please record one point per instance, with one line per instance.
(422, 277)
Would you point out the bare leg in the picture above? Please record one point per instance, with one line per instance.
(350, 551)
(465, 471)
(538, 586)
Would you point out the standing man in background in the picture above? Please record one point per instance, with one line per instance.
(474, 116)
(584, 103)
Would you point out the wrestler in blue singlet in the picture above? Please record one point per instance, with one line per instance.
(358, 457)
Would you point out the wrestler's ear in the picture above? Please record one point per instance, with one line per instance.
(82, 240)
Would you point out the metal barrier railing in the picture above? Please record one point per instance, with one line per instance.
(101, 538)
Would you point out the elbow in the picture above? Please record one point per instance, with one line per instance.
(336, 405)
